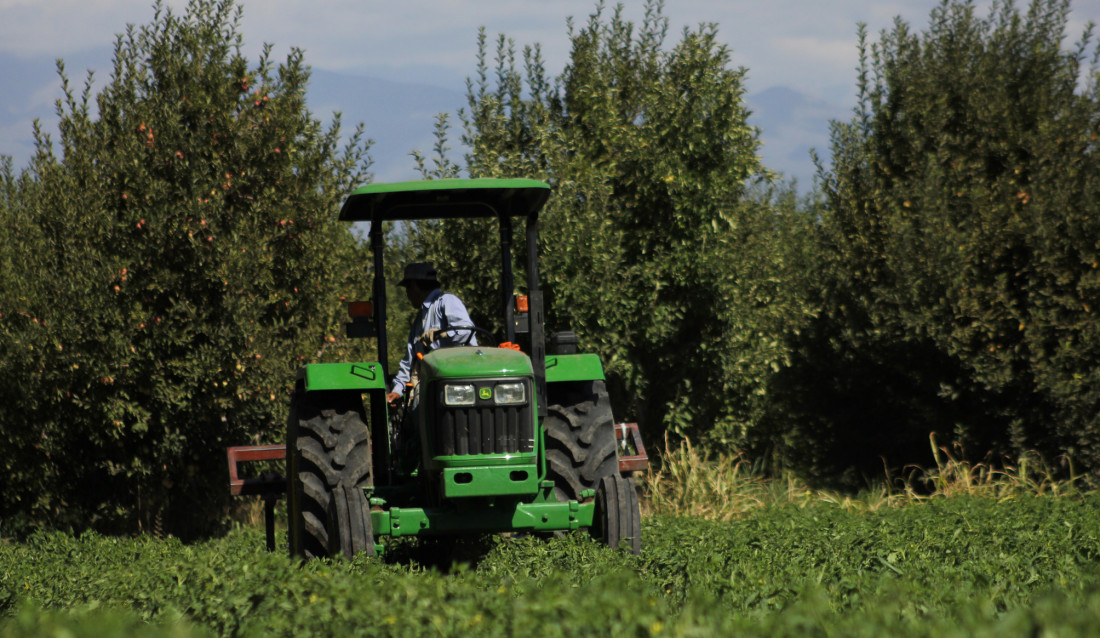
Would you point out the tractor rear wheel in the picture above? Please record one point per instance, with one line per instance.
(329, 458)
(580, 438)
(617, 520)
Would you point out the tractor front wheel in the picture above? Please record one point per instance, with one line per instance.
(329, 465)
(617, 520)
(580, 438)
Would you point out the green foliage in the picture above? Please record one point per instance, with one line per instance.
(655, 250)
(955, 567)
(960, 282)
(164, 275)
(93, 622)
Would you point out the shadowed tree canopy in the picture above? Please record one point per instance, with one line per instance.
(164, 269)
(961, 248)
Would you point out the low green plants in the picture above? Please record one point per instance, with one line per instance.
(93, 622)
(966, 565)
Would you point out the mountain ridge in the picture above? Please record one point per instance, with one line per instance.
(398, 116)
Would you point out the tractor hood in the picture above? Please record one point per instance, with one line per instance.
(475, 362)
(446, 198)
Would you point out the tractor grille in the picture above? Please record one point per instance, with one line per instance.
(484, 428)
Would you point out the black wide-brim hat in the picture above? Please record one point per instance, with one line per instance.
(418, 271)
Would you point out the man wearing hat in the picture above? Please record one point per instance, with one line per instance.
(438, 324)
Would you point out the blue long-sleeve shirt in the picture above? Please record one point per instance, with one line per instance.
(440, 311)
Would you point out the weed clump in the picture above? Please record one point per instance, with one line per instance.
(690, 482)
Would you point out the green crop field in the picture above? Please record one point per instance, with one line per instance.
(950, 566)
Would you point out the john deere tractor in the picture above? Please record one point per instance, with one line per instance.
(512, 436)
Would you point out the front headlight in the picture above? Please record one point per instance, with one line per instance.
(509, 394)
(456, 394)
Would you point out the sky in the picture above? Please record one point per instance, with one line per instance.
(804, 46)
(798, 43)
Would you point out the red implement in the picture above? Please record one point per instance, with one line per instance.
(260, 485)
(632, 455)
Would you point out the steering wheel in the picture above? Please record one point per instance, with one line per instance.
(466, 329)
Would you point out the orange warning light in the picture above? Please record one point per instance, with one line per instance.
(360, 309)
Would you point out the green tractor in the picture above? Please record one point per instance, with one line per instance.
(513, 437)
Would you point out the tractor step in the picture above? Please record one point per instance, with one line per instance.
(632, 454)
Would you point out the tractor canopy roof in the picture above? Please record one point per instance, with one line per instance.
(446, 198)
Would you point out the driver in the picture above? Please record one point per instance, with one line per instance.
(441, 314)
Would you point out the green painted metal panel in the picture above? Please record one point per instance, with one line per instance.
(573, 367)
(482, 460)
(537, 516)
(446, 198)
(475, 362)
(342, 376)
(499, 480)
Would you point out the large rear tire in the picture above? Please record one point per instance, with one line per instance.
(617, 520)
(580, 438)
(329, 449)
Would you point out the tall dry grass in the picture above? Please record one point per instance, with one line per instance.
(688, 481)
(691, 483)
(1030, 474)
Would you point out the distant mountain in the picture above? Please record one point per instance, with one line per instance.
(399, 116)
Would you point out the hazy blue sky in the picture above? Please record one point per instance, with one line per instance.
(804, 45)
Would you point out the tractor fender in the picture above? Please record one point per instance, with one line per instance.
(341, 376)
